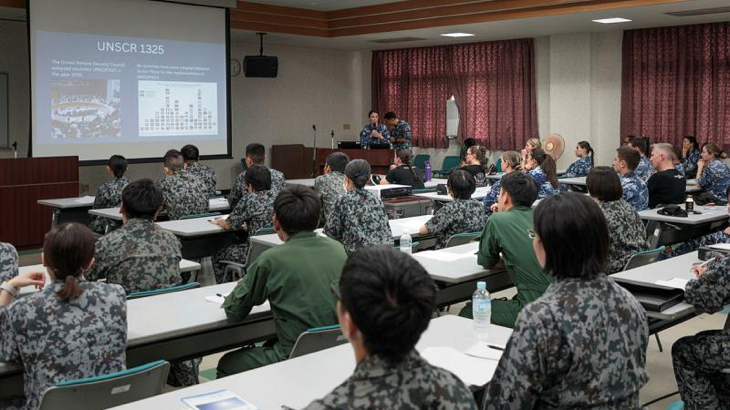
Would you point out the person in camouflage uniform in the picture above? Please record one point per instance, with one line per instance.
(255, 154)
(713, 174)
(331, 185)
(627, 232)
(8, 262)
(541, 167)
(634, 190)
(700, 359)
(690, 155)
(254, 211)
(400, 132)
(582, 344)
(374, 133)
(185, 194)
(358, 218)
(462, 215)
(511, 161)
(139, 256)
(71, 329)
(584, 164)
(109, 194)
(386, 300)
(191, 156)
(643, 169)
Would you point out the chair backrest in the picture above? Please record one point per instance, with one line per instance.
(108, 390)
(462, 238)
(420, 161)
(450, 162)
(203, 215)
(316, 339)
(178, 288)
(499, 164)
(266, 230)
(643, 258)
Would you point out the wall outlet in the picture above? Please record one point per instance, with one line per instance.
(345, 126)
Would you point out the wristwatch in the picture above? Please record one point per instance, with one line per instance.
(6, 286)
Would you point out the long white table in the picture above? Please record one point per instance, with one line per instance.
(200, 237)
(214, 205)
(677, 267)
(479, 194)
(175, 326)
(297, 382)
(185, 266)
(578, 181)
(260, 243)
(662, 229)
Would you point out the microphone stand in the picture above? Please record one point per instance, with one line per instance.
(332, 141)
(314, 152)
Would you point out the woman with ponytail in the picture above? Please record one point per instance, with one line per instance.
(358, 218)
(476, 164)
(511, 161)
(584, 164)
(87, 320)
(402, 171)
(541, 167)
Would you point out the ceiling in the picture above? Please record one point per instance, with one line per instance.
(643, 17)
(324, 5)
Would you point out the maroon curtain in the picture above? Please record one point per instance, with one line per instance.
(414, 84)
(676, 82)
(494, 87)
(493, 84)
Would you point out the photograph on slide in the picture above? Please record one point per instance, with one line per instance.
(85, 108)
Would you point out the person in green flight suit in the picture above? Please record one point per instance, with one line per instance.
(295, 277)
(505, 240)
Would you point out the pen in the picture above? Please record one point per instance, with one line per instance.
(219, 295)
(496, 347)
(707, 261)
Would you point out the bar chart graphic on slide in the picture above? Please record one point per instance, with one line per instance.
(173, 108)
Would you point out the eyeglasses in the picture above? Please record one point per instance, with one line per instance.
(335, 288)
(531, 234)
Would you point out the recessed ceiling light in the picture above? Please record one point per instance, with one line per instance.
(613, 20)
(455, 35)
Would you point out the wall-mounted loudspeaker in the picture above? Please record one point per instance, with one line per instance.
(261, 66)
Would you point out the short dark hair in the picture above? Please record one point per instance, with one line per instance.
(604, 184)
(692, 140)
(190, 153)
(574, 234)
(337, 161)
(256, 152)
(297, 209)
(640, 143)
(358, 171)
(462, 184)
(142, 199)
(173, 160)
(390, 298)
(390, 115)
(259, 177)
(470, 142)
(630, 156)
(520, 187)
(67, 250)
(118, 165)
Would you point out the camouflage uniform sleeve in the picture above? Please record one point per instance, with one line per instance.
(491, 197)
(711, 291)
(365, 137)
(8, 262)
(333, 226)
(440, 220)
(384, 130)
(9, 351)
(251, 291)
(707, 178)
(240, 213)
(407, 132)
(99, 268)
(521, 373)
(235, 195)
(101, 194)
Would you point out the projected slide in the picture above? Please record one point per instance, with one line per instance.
(99, 94)
(179, 108)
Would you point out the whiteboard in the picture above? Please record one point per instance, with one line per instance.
(4, 116)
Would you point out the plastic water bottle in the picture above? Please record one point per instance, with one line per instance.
(427, 165)
(406, 242)
(482, 311)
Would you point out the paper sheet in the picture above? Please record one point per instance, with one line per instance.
(446, 256)
(677, 283)
(723, 246)
(217, 299)
(471, 370)
(84, 199)
(219, 201)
